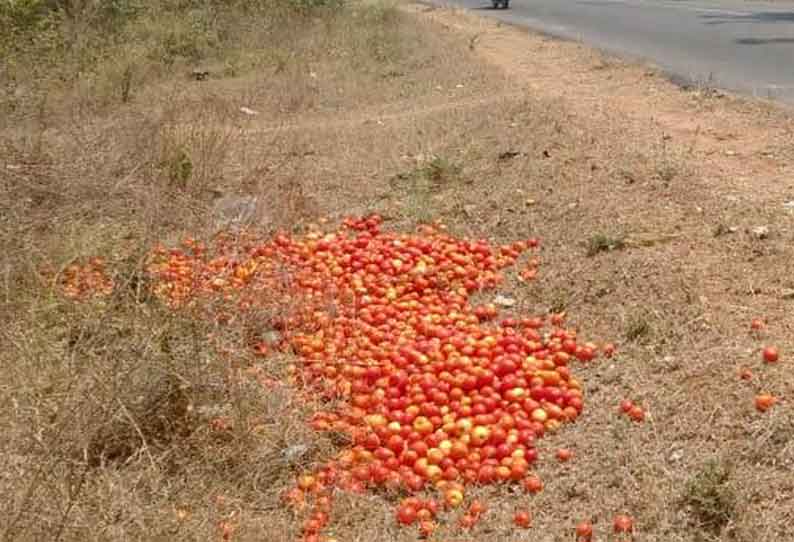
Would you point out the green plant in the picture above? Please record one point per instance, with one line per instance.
(22, 14)
(603, 243)
(125, 84)
(667, 168)
(440, 171)
(638, 328)
(419, 204)
(560, 299)
(179, 167)
(422, 184)
(710, 497)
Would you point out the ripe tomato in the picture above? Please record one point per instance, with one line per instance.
(477, 508)
(467, 521)
(306, 482)
(623, 524)
(764, 402)
(770, 354)
(636, 413)
(522, 519)
(486, 474)
(406, 514)
(453, 498)
(426, 528)
(584, 531)
(564, 455)
(532, 484)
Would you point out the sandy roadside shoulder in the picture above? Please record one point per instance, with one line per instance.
(745, 145)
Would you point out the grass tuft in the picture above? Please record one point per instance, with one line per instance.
(638, 328)
(604, 243)
(424, 184)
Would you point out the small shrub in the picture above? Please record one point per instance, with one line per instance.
(667, 171)
(179, 167)
(603, 243)
(638, 328)
(710, 498)
(560, 299)
(439, 171)
(423, 182)
(667, 167)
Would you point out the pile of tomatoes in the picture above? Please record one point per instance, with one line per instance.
(79, 281)
(437, 392)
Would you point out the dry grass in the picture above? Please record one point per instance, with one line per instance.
(127, 421)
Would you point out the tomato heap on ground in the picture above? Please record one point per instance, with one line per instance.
(436, 392)
(80, 281)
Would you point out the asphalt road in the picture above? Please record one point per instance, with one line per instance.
(744, 46)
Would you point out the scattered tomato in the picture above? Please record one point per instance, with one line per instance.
(770, 354)
(623, 524)
(477, 508)
(467, 521)
(564, 455)
(764, 401)
(522, 519)
(584, 531)
(636, 413)
(532, 484)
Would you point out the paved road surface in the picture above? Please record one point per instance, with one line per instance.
(744, 46)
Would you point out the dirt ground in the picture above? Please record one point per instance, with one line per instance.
(665, 229)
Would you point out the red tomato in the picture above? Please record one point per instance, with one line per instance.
(486, 474)
(406, 514)
(467, 521)
(563, 455)
(424, 514)
(427, 528)
(623, 524)
(764, 402)
(636, 413)
(532, 484)
(522, 519)
(770, 354)
(477, 508)
(584, 531)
